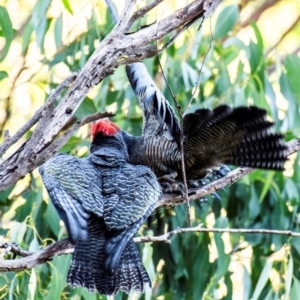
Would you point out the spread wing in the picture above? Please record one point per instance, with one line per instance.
(159, 117)
(74, 187)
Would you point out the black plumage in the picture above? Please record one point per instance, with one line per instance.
(240, 136)
(103, 201)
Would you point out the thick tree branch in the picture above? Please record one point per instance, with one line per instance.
(37, 115)
(118, 48)
(62, 247)
(33, 259)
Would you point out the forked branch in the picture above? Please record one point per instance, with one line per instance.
(118, 48)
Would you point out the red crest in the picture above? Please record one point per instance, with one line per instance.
(105, 126)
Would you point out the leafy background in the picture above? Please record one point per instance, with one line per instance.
(249, 51)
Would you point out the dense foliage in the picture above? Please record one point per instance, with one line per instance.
(238, 67)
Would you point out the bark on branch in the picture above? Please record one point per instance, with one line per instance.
(30, 260)
(118, 48)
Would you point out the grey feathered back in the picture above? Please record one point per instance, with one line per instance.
(103, 201)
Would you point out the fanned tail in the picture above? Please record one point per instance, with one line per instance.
(239, 136)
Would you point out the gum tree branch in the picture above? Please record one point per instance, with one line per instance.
(62, 247)
(37, 115)
(118, 48)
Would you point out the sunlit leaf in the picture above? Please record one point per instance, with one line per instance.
(289, 276)
(32, 285)
(264, 277)
(67, 5)
(226, 20)
(18, 232)
(58, 29)
(7, 31)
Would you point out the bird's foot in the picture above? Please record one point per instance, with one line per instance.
(170, 178)
(169, 184)
(215, 174)
(222, 171)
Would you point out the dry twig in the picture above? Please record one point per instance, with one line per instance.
(63, 247)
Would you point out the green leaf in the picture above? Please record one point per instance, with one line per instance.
(259, 39)
(67, 6)
(72, 143)
(34, 245)
(226, 21)
(52, 218)
(32, 285)
(4, 195)
(263, 278)
(273, 105)
(3, 75)
(87, 107)
(190, 76)
(292, 120)
(295, 291)
(292, 65)
(58, 277)
(246, 282)
(7, 31)
(267, 184)
(58, 28)
(26, 37)
(254, 56)
(40, 22)
(291, 189)
(18, 232)
(289, 276)
(255, 51)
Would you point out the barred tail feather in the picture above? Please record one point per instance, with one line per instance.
(241, 136)
(267, 153)
(87, 266)
(117, 240)
(130, 273)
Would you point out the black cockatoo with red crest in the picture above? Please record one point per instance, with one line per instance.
(103, 201)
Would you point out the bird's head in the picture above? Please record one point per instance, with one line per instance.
(106, 134)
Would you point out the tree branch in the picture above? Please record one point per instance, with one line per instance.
(64, 246)
(37, 115)
(30, 260)
(118, 48)
(165, 238)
